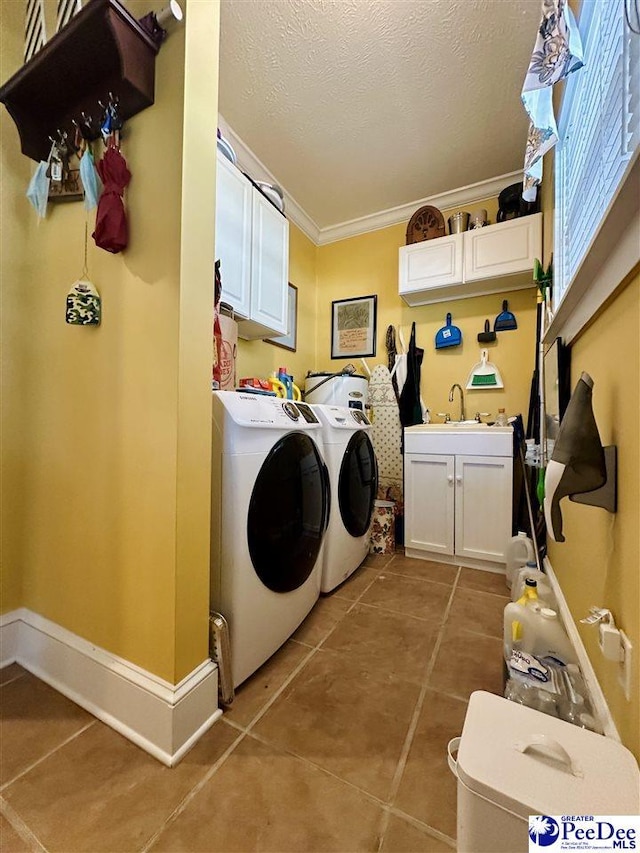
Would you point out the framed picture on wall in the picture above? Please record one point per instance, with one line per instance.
(289, 341)
(353, 327)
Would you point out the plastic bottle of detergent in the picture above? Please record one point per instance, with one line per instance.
(545, 593)
(547, 638)
(287, 381)
(517, 632)
(534, 628)
(518, 552)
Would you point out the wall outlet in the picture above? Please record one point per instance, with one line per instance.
(624, 667)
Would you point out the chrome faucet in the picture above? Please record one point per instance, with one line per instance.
(459, 387)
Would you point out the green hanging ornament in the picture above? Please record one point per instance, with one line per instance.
(84, 305)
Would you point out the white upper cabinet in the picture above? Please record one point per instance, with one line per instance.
(438, 267)
(233, 236)
(252, 243)
(486, 260)
(503, 249)
(269, 265)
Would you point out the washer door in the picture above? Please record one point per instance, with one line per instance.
(358, 484)
(288, 513)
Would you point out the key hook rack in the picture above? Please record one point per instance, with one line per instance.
(102, 52)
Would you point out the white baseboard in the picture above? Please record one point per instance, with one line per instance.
(494, 566)
(596, 695)
(162, 718)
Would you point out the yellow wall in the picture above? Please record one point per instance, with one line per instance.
(15, 274)
(599, 563)
(107, 430)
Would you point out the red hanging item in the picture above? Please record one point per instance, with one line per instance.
(112, 233)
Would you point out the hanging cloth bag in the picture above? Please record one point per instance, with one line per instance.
(112, 233)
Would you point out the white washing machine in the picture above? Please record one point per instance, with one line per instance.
(353, 475)
(269, 511)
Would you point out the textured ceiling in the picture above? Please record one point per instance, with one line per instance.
(358, 106)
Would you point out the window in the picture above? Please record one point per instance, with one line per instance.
(599, 132)
(66, 10)
(34, 29)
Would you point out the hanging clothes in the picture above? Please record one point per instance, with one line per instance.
(112, 233)
(410, 408)
(391, 358)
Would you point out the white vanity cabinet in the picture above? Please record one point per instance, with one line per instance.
(492, 259)
(458, 494)
(252, 243)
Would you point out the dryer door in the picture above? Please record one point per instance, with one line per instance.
(288, 513)
(358, 484)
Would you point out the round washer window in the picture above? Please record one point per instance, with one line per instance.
(358, 484)
(287, 513)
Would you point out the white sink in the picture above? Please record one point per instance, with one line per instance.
(459, 437)
(450, 425)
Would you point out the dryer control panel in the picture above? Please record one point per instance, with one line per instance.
(254, 410)
(342, 417)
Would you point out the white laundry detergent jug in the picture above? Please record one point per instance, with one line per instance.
(545, 593)
(536, 629)
(518, 552)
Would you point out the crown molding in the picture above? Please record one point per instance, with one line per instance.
(443, 201)
(248, 162)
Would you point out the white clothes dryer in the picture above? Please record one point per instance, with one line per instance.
(269, 511)
(353, 475)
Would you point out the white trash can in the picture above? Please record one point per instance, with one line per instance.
(513, 762)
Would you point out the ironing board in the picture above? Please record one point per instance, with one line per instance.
(386, 433)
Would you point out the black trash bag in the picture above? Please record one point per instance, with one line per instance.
(410, 408)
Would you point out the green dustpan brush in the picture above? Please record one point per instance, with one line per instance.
(484, 374)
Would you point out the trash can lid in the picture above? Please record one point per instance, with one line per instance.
(531, 763)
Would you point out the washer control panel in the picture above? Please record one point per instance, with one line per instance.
(255, 410)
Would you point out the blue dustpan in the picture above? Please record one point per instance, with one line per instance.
(448, 336)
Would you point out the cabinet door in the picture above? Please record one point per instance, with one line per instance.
(233, 235)
(269, 269)
(426, 266)
(503, 249)
(429, 502)
(483, 506)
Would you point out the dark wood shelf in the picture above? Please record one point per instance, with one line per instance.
(102, 50)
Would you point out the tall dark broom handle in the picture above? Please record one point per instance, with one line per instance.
(525, 478)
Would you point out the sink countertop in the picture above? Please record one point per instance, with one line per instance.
(459, 439)
(466, 426)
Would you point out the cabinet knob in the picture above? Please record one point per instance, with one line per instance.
(459, 479)
(450, 478)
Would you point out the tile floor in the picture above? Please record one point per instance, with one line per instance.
(337, 743)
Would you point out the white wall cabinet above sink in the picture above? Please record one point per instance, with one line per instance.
(492, 259)
(252, 243)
